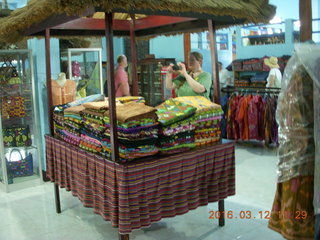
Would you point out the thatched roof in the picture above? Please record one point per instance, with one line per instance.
(37, 11)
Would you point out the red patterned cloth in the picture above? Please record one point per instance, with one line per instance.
(136, 194)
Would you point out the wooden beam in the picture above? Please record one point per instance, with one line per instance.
(214, 59)
(111, 88)
(133, 57)
(53, 21)
(149, 26)
(82, 33)
(93, 24)
(158, 21)
(186, 47)
(305, 12)
(48, 78)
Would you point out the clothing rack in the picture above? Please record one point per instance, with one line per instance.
(251, 90)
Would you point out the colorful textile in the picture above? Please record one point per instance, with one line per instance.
(199, 177)
(252, 117)
(172, 111)
(134, 111)
(201, 103)
(178, 128)
(75, 110)
(99, 106)
(127, 99)
(68, 137)
(292, 213)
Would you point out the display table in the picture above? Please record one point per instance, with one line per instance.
(138, 193)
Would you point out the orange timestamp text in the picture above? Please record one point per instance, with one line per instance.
(256, 215)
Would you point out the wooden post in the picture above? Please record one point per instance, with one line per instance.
(305, 12)
(222, 213)
(50, 105)
(186, 47)
(48, 76)
(133, 56)
(214, 59)
(111, 88)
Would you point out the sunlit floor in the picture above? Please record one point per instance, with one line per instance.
(30, 213)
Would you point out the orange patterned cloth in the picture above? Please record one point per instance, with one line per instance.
(65, 94)
(292, 213)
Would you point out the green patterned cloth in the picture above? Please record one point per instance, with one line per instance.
(172, 111)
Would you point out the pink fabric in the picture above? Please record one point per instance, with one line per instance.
(253, 118)
(121, 76)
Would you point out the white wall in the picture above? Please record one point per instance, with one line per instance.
(118, 48)
(168, 47)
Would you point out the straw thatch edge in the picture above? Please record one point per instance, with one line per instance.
(254, 11)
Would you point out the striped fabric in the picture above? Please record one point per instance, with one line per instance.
(136, 194)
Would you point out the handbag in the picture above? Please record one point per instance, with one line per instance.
(20, 168)
(13, 106)
(15, 79)
(18, 136)
(5, 74)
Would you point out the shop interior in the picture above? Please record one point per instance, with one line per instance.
(240, 160)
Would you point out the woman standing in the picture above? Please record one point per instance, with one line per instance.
(194, 82)
(275, 76)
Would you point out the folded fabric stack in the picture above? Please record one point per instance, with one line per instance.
(259, 80)
(127, 99)
(137, 131)
(58, 119)
(177, 126)
(208, 119)
(72, 125)
(241, 82)
(92, 134)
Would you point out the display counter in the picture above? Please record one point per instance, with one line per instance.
(138, 193)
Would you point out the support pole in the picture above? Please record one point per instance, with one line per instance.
(111, 88)
(186, 47)
(48, 76)
(57, 198)
(305, 12)
(214, 59)
(222, 213)
(50, 104)
(133, 56)
(123, 237)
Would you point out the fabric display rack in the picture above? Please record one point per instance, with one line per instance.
(182, 126)
(254, 72)
(168, 186)
(250, 114)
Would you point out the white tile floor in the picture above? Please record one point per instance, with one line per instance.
(29, 214)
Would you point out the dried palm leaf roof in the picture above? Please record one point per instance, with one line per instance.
(39, 11)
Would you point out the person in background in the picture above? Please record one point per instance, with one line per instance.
(121, 77)
(194, 82)
(275, 76)
(225, 78)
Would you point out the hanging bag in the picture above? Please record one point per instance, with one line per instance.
(22, 167)
(15, 79)
(18, 136)
(5, 73)
(13, 106)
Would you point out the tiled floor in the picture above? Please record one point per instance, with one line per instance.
(29, 214)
